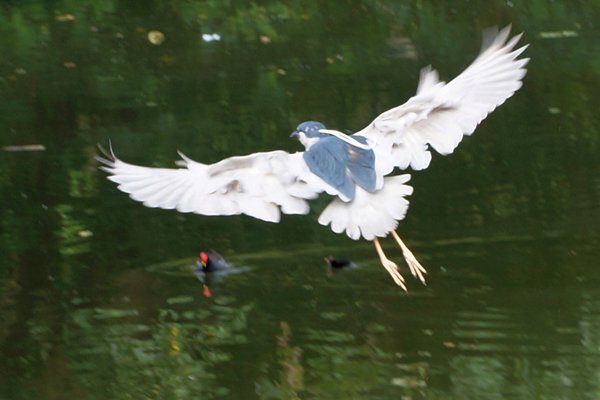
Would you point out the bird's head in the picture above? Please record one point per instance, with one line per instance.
(309, 132)
(203, 259)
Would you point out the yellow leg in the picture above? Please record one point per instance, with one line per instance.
(389, 265)
(415, 267)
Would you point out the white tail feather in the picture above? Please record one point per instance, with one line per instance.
(370, 215)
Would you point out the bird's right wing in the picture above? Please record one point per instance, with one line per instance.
(440, 114)
(259, 185)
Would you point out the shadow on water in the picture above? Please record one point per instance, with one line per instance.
(98, 295)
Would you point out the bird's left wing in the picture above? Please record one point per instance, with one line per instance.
(440, 114)
(261, 185)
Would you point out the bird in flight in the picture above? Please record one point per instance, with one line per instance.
(357, 170)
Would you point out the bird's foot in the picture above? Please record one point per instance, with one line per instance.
(389, 265)
(416, 268)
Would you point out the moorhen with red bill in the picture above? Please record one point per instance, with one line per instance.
(211, 261)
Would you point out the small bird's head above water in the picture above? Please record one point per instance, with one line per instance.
(203, 259)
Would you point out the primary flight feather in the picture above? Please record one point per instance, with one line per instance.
(355, 169)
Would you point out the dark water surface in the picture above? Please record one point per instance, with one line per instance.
(98, 299)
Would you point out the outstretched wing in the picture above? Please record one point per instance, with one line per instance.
(440, 114)
(261, 185)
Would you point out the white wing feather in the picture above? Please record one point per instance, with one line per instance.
(440, 114)
(259, 185)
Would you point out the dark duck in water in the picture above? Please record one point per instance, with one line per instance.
(209, 264)
(335, 263)
(211, 261)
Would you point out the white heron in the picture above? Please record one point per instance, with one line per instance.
(357, 170)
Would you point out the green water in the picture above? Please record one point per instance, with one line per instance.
(98, 299)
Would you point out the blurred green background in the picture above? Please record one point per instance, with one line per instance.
(98, 299)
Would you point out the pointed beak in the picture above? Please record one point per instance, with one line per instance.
(295, 135)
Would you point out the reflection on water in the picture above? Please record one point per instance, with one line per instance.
(150, 333)
(98, 297)
(169, 351)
